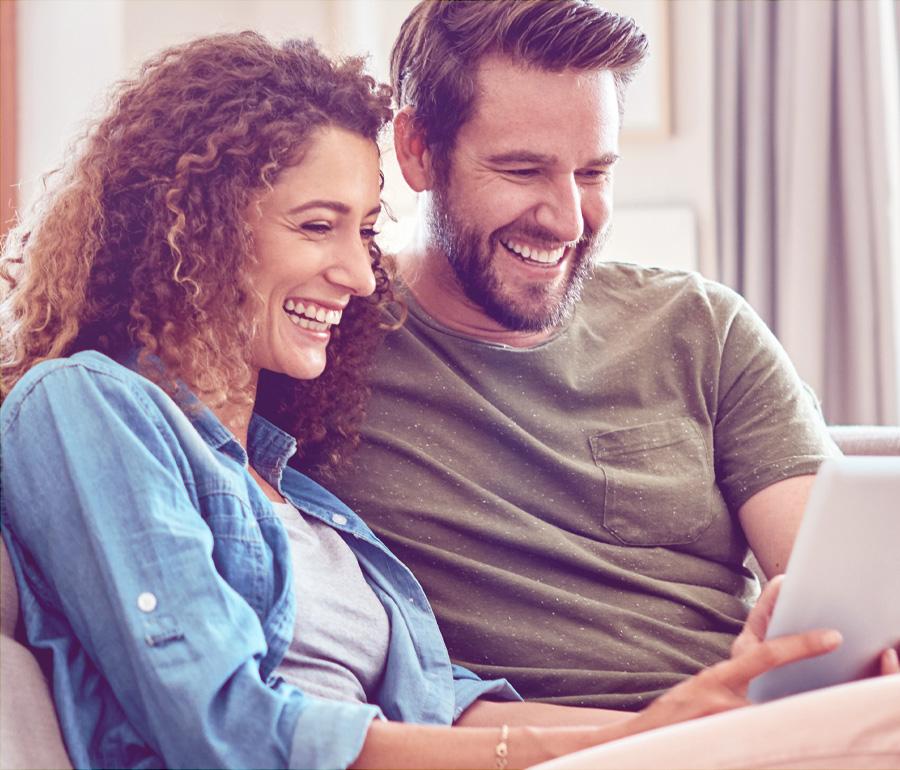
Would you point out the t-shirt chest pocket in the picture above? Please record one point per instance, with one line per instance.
(657, 480)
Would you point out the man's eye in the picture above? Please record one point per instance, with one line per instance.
(522, 173)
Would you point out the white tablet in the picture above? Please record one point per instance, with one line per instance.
(843, 573)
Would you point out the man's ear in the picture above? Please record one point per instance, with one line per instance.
(412, 153)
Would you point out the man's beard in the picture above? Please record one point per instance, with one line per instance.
(470, 254)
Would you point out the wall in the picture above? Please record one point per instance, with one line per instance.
(67, 53)
(677, 170)
(71, 50)
(8, 110)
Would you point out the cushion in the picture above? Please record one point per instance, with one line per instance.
(29, 732)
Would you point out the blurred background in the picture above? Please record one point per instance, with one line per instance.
(761, 147)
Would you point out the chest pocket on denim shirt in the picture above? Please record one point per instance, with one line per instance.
(657, 483)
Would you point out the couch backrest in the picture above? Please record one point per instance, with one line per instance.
(867, 439)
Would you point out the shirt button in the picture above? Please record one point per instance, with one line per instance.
(338, 518)
(146, 602)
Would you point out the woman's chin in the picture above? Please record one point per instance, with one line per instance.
(301, 368)
(306, 370)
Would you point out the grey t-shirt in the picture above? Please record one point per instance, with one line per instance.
(341, 630)
(570, 509)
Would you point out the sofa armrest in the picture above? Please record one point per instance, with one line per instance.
(866, 439)
(29, 731)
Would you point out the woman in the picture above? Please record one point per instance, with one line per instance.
(193, 301)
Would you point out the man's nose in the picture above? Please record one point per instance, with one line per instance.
(560, 211)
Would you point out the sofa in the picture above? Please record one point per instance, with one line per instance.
(29, 732)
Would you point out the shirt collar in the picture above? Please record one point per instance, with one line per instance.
(268, 447)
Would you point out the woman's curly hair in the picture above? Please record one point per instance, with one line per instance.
(141, 240)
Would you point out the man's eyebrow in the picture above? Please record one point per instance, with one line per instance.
(540, 159)
(605, 160)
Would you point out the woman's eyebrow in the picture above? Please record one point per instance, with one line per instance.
(335, 206)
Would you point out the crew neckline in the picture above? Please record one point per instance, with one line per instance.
(423, 317)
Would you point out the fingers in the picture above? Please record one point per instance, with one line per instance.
(737, 672)
(757, 623)
(745, 641)
(890, 663)
(769, 594)
(724, 685)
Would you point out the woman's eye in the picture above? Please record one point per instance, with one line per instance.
(319, 228)
(368, 233)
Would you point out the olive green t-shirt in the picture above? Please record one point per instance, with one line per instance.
(571, 508)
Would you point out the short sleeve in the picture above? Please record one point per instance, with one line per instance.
(767, 426)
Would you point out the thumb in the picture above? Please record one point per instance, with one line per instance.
(757, 622)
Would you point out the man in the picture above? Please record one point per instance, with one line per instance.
(571, 456)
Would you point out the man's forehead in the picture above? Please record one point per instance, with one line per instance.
(498, 72)
(520, 109)
(502, 84)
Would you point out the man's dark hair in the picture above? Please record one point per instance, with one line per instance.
(442, 43)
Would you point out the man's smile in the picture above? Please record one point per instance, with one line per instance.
(535, 255)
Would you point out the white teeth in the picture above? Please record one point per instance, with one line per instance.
(308, 323)
(536, 255)
(312, 317)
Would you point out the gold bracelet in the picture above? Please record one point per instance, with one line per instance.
(502, 749)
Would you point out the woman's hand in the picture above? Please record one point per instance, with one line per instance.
(723, 686)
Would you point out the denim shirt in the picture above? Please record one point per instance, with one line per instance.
(156, 576)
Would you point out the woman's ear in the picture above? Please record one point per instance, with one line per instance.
(412, 153)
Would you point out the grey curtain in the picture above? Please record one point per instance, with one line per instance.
(807, 111)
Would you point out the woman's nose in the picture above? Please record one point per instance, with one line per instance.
(352, 268)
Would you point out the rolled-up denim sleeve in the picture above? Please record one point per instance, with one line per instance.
(470, 687)
(100, 504)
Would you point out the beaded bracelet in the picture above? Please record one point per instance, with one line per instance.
(502, 749)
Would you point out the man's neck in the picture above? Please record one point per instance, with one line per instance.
(429, 277)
